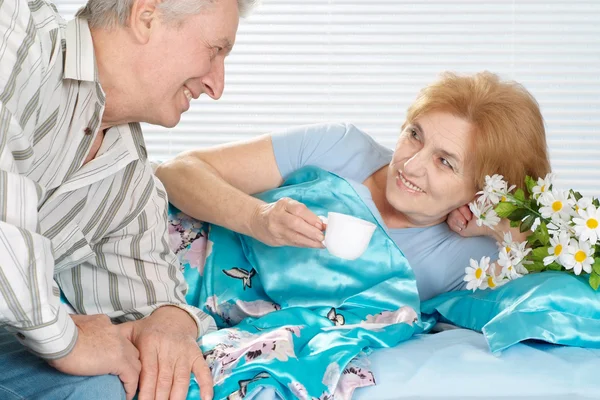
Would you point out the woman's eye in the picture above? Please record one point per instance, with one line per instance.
(446, 163)
(414, 134)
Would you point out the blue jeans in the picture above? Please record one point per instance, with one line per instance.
(25, 376)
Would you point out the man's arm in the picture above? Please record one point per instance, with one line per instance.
(29, 298)
(29, 302)
(135, 277)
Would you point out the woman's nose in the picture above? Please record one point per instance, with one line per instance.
(415, 165)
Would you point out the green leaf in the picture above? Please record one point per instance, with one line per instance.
(530, 183)
(518, 214)
(594, 280)
(539, 253)
(596, 265)
(554, 266)
(533, 205)
(543, 234)
(533, 240)
(596, 203)
(540, 235)
(527, 223)
(520, 195)
(536, 266)
(575, 194)
(515, 224)
(504, 209)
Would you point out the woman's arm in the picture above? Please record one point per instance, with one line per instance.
(216, 184)
(461, 221)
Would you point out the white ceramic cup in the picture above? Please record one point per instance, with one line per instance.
(346, 236)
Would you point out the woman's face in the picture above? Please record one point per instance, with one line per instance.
(430, 173)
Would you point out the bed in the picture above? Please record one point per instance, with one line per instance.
(457, 364)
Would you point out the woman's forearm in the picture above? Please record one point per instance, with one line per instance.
(504, 227)
(197, 189)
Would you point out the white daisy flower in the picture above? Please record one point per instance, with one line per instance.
(556, 206)
(520, 267)
(581, 204)
(476, 273)
(508, 243)
(560, 225)
(587, 227)
(484, 213)
(492, 281)
(579, 256)
(520, 250)
(494, 188)
(543, 186)
(558, 247)
(507, 263)
(515, 249)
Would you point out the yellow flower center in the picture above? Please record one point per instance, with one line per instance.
(508, 249)
(491, 282)
(558, 250)
(543, 189)
(503, 198)
(478, 273)
(557, 206)
(580, 256)
(592, 223)
(576, 208)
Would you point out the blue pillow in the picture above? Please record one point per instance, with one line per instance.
(554, 307)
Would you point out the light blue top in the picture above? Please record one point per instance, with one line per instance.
(438, 256)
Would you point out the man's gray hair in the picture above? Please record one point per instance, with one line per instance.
(111, 13)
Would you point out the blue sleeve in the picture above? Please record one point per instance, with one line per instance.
(339, 148)
(460, 254)
(439, 256)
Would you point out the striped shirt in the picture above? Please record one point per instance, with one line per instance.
(96, 230)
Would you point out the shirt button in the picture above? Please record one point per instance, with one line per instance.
(87, 131)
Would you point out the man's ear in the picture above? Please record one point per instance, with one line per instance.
(143, 19)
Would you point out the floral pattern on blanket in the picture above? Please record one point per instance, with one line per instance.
(188, 240)
(307, 352)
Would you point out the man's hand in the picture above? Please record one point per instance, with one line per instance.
(169, 353)
(101, 349)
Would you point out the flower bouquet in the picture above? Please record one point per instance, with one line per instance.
(564, 231)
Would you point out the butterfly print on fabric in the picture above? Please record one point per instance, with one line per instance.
(337, 319)
(242, 274)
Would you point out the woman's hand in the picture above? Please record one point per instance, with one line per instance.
(462, 222)
(287, 223)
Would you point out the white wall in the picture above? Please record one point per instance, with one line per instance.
(305, 61)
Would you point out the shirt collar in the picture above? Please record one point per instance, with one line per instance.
(80, 62)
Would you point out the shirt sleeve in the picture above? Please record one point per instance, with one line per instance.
(460, 253)
(134, 271)
(29, 299)
(339, 148)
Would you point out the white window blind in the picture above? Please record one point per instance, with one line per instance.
(306, 61)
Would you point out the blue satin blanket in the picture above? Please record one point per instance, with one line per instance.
(297, 320)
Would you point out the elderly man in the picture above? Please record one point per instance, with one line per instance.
(80, 209)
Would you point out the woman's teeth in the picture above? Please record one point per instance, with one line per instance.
(188, 94)
(408, 184)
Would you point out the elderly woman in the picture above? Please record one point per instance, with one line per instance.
(458, 130)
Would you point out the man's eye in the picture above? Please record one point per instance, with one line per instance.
(414, 134)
